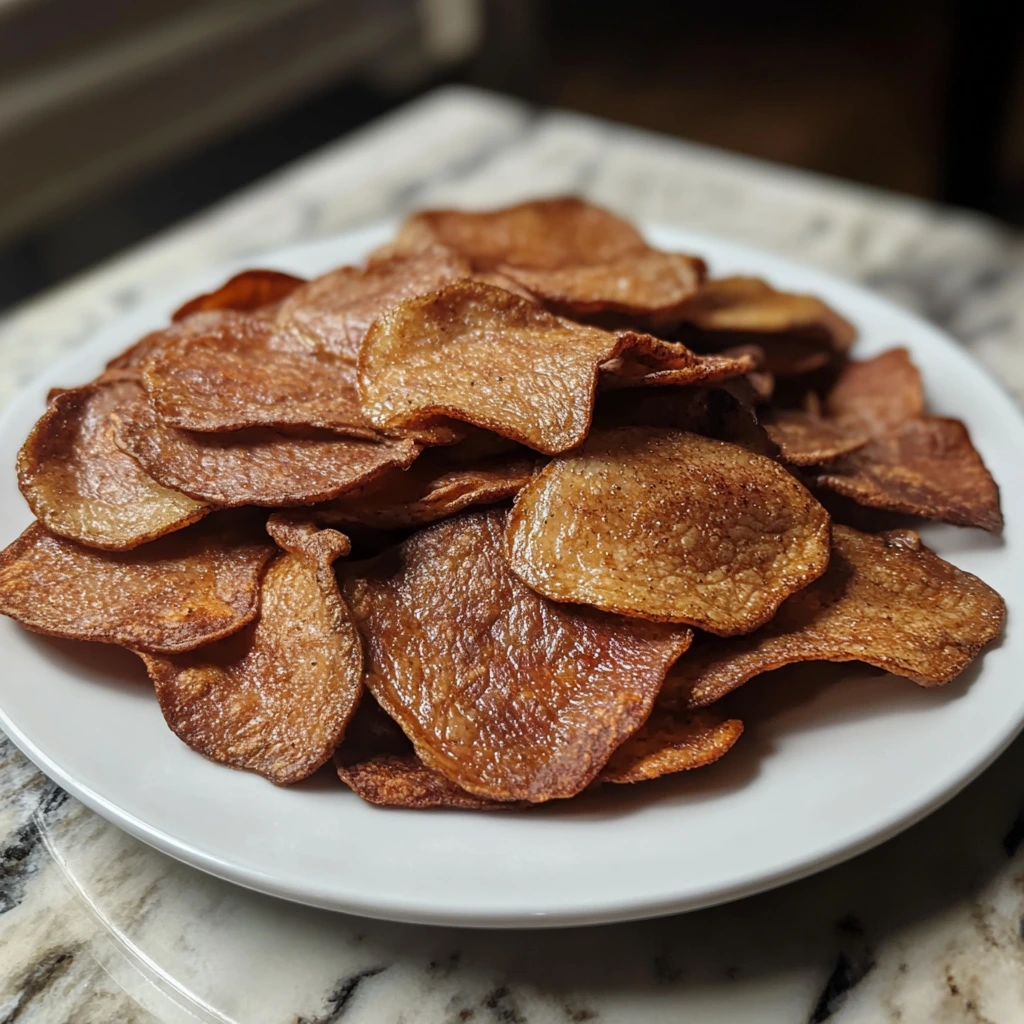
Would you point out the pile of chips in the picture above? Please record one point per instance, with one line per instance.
(497, 517)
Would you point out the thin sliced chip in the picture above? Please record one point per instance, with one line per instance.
(482, 355)
(805, 439)
(333, 313)
(250, 373)
(885, 600)
(246, 291)
(274, 699)
(82, 486)
(668, 526)
(923, 467)
(254, 467)
(670, 742)
(655, 363)
(882, 392)
(175, 594)
(544, 234)
(432, 488)
(508, 695)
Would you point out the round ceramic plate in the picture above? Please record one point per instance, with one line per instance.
(833, 761)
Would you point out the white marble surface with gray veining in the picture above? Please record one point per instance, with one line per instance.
(927, 929)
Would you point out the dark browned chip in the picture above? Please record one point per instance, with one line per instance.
(882, 392)
(244, 292)
(82, 486)
(805, 439)
(175, 594)
(508, 695)
(255, 467)
(274, 699)
(668, 526)
(885, 600)
(923, 467)
(649, 362)
(670, 742)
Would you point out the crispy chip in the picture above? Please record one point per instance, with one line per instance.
(670, 742)
(669, 526)
(250, 373)
(508, 695)
(82, 486)
(254, 467)
(881, 392)
(545, 234)
(655, 363)
(274, 699)
(172, 595)
(805, 439)
(247, 291)
(885, 600)
(480, 354)
(923, 467)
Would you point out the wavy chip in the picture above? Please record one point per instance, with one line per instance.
(924, 467)
(247, 291)
(175, 594)
(480, 354)
(255, 467)
(881, 392)
(668, 526)
(509, 696)
(650, 362)
(670, 742)
(274, 699)
(807, 439)
(885, 600)
(82, 486)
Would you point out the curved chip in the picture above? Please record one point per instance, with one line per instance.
(882, 392)
(508, 695)
(175, 594)
(670, 742)
(480, 354)
(650, 362)
(254, 467)
(249, 290)
(806, 439)
(82, 486)
(669, 526)
(923, 467)
(544, 234)
(274, 699)
(249, 373)
(885, 600)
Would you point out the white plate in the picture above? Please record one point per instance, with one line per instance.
(847, 760)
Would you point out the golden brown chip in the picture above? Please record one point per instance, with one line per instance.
(172, 595)
(274, 699)
(246, 291)
(508, 695)
(250, 373)
(254, 467)
(650, 362)
(806, 439)
(881, 392)
(885, 600)
(544, 234)
(670, 742)
(82, 486)
(482, 355)
(669, 526)
(923, 467)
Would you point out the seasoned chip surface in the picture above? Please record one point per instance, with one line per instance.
(82, 486)
(254, 467)
(172, 595)
(274, 699)
(669, 526)
(807, 439)
(649, 362)
(924, 467)
(249, 290)
(670, 742)
(508, 695)
(886, 600)
(882, 392)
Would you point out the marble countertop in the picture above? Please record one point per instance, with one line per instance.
(96, 927)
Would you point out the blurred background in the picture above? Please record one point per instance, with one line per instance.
(121, 117)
